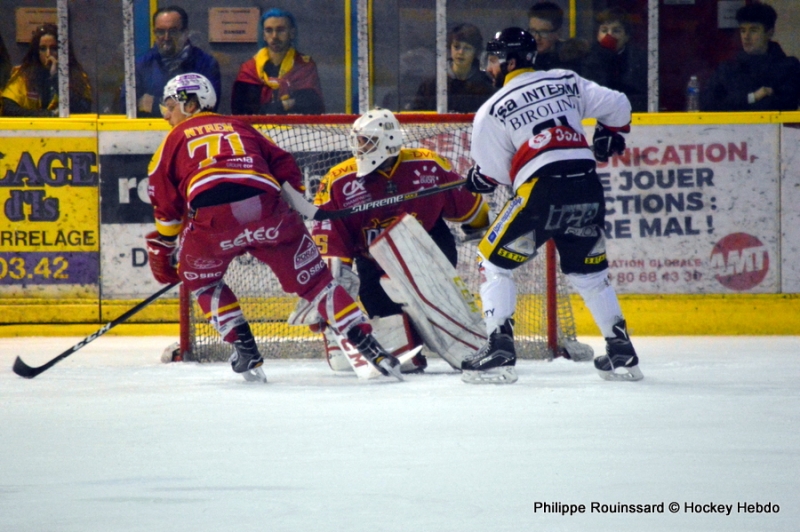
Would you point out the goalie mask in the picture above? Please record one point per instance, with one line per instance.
(182, 87)
(375, 137)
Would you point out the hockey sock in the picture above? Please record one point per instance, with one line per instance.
(498, 295)
(340, 311)
(221, 308)
(600, 298)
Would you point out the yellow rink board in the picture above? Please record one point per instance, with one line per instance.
(647, 315)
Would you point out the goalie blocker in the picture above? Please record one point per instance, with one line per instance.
(421, 279)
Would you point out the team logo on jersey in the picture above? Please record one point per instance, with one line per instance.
(377, 228)
(248, 237)
(523, 245)
(306, 252)
(306, 275)
(192, 276)
(541, 140)
(202, 263)
(575, 215)
(353, 188)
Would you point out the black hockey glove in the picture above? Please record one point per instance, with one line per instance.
(472, 233)
(479, 183)
(607, 142)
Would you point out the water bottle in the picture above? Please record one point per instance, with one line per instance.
(693, 95)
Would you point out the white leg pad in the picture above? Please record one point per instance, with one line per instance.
(498, 294)
(439, 304)
(337, 359)
(394, 334)
(600, 298)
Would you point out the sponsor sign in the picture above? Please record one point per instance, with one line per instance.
(694, 210)
(49, 237)
(790, 212)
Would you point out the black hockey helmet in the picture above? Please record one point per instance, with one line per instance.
(513, 43)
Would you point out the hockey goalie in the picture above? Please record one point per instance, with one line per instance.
(399, 258)
(438, 310)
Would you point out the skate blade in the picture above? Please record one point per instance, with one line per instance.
(501, 375)
(394, 371)
(408, 355)
(255, 375)
(622, 374)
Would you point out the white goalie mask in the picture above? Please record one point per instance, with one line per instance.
(181, 87)
(375, 137)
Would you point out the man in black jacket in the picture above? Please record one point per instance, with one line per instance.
(761, 77)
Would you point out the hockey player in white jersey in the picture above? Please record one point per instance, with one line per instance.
(529, 136)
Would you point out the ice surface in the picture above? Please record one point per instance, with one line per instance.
(110, 439)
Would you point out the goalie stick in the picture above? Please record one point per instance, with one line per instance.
(312, 212)
(24, 370)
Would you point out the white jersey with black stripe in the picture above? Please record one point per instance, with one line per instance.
(535, 120)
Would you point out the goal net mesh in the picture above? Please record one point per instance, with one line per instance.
(317, 144)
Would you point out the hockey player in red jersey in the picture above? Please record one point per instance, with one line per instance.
(381, 168)
(215, 186)
(529, 136)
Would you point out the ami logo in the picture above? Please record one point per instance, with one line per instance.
(741, 261)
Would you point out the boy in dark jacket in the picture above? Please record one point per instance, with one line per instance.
(761, 77)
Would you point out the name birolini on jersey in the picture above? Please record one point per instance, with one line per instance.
(543, 98)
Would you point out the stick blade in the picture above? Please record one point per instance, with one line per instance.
(24, 370)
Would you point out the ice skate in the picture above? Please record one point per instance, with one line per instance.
(372, 351)
(620, 362)
(494, 362)
(246, 360)
(415, 364)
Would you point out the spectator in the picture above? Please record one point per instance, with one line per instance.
(544, 23)
(5, 65)
(32, 88)
(467, 86)
(5, 69)
(172, 54)
(279, 79)
(761, 77)
(615, 62)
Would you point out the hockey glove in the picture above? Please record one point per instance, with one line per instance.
(161, 255)
(472, 233)
(608, 141)
(479, 183)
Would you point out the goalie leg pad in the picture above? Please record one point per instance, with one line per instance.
(419, 277)
(396, 336)
(337, 358)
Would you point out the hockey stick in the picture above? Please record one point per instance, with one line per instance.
(24, 370)
(312, 212)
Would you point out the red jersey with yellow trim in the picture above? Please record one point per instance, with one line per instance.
(209, 149)
(414, 170)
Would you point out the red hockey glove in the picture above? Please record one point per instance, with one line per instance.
(161, 255)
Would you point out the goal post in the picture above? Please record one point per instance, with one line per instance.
(544, 318)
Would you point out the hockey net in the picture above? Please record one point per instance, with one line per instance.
(544, 318)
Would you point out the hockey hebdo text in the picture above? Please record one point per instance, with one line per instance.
(674, 507)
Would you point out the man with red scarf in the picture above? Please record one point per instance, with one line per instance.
(278, 79)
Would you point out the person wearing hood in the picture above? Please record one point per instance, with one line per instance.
(761, 77)
(467, 85)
